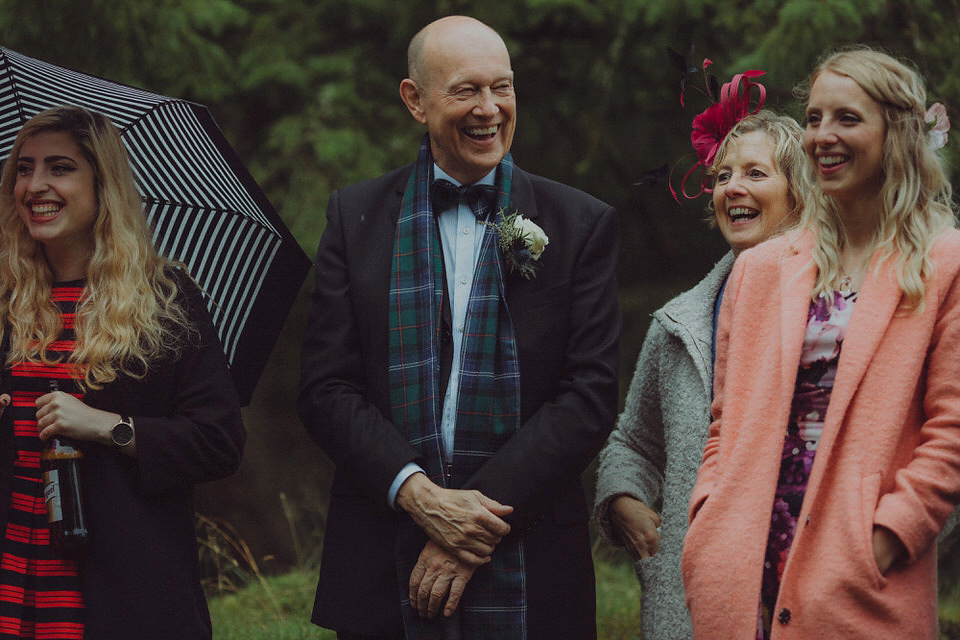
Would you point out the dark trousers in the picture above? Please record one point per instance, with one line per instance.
(451, 632)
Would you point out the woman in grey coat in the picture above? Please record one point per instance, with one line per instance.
(652, 457)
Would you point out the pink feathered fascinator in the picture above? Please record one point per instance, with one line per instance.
(734, 102)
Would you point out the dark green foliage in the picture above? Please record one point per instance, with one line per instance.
(307, 92)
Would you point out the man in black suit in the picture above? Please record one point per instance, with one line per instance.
(456, 509)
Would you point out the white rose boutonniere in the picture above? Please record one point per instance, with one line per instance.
(522, 243)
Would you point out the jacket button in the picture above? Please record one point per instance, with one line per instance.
(784, 616)
(446, 336)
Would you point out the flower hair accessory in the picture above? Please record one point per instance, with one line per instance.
(521, 242)
(731, 103)
(938, 124)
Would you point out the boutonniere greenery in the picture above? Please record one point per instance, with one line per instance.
(521, 242)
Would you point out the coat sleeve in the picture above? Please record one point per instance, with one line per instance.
(201, 437)
(338, 358)
(927, 489)
(633, 460)
(558, 440)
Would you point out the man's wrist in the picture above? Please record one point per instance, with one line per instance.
(408, 470)
(411, 492)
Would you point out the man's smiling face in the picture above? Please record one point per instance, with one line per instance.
(467, 100)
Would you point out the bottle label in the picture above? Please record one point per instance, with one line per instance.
(51, 493)
(61, 453)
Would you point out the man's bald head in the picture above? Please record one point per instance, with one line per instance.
(435, 34)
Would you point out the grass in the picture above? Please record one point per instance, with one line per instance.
(618, 596)
(279, 607)
(280, 613)
(950, 613)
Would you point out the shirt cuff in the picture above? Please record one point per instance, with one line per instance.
(408, 470)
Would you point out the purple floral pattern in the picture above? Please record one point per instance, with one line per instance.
(826, 326)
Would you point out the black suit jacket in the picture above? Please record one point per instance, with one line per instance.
(567, 324)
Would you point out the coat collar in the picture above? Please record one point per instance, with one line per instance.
(694, 307)
(399, 186)
(873, 311)
(522, 199)
(797, 275)
(689, 318)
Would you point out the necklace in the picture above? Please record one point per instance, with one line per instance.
(847, 279)
(846, 285)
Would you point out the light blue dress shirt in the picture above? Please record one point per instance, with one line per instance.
(461, 236)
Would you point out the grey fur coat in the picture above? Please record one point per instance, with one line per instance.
(655, 450)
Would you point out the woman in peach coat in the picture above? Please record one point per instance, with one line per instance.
(834, 457)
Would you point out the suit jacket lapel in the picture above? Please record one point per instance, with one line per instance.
(521, 195)
(393, 207)
(522, 200)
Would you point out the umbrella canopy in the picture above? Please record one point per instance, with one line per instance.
(205, 208)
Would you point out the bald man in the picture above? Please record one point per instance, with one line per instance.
(460, 368)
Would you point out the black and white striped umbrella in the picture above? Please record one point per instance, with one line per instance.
(204, 206)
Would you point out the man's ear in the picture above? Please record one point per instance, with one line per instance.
(410, 94)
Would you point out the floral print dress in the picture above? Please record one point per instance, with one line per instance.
(826, 326)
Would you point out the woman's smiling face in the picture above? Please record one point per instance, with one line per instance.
(844, 138)
(750, 195)
(55, 192)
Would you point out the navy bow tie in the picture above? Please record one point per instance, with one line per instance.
(481, 198)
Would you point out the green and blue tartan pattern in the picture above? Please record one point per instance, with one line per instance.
(488, 406)
(416, 297)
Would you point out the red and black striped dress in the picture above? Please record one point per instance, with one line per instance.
(40, 594)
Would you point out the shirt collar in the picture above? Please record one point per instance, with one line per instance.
(490, 178)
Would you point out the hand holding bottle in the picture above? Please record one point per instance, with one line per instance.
(61, 414)
(62, 490)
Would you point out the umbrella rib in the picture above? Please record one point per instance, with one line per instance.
(151, 200)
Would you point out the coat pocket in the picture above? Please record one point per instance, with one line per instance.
(869, 497)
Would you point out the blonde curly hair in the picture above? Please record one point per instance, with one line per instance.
(915, 196)
(128, 316)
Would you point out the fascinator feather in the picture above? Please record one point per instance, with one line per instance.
(733, 102)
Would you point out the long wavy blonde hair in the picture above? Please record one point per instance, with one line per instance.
(915, 196)
(128, 317)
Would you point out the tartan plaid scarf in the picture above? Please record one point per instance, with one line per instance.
(488, 406)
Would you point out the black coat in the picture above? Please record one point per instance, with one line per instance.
(567, 324)
(140, 574)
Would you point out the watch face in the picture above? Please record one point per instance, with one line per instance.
(122, 434)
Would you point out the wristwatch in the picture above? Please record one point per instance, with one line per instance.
(122, 432)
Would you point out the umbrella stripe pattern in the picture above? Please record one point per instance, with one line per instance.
(203, 206)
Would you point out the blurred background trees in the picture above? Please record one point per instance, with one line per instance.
(308, 95)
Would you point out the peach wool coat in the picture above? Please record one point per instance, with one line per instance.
(889, 454)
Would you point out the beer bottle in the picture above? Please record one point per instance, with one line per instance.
(61, 490)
